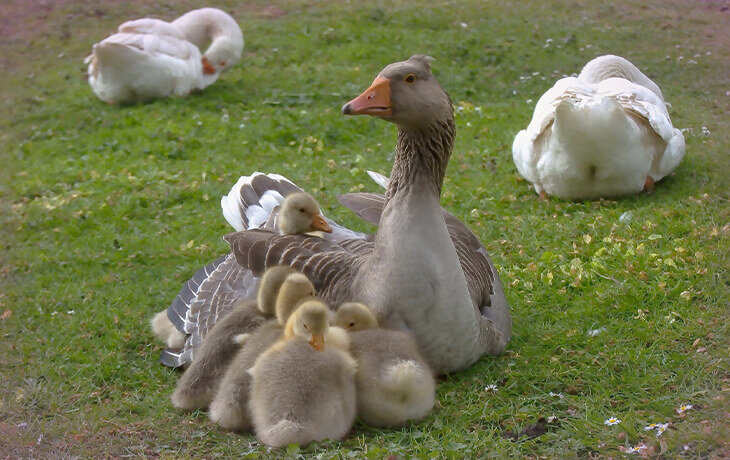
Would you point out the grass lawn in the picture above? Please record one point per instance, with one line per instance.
(620, 307)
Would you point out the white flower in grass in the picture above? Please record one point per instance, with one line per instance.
(684, 408)
(556, 395)
(635, 450)
(491, 387)
(659, 427)
(611, 421)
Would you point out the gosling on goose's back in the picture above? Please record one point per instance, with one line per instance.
(413, 272)
(605, 133)
(150, 58)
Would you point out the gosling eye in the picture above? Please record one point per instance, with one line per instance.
(410, 78)
(222, 63)
(302, 210)
(352, 324)
(306, 326)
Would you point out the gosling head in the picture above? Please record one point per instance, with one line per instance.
(355, 316)
(300, 214)
(309, 321)
(269, 287)
(294, 290)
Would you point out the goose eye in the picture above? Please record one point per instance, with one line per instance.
(222, 63)
(352, 324)
(302, 210)
(410, 78)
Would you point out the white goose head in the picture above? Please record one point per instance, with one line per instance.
(217, 31)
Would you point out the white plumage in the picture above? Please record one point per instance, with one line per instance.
(150, 58)
(605, 133)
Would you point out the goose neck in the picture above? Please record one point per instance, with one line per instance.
(421, 158)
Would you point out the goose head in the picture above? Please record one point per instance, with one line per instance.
(218, 37)
(269, 286)
(224, 52)
(355, 316)
(405, 93)
(300, 214)
(309, 321)
(295, 289)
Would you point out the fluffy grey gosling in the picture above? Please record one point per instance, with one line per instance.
(394, 383)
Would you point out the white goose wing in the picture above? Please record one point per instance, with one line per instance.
(645, 106)
(149, 26)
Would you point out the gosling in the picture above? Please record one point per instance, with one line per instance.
(394, 383)
(303, 387)
(230, 405)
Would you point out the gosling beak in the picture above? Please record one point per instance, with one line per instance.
(317, 342)
(318, 223)
(374, 101)
(208, 68)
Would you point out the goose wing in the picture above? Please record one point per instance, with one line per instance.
(330, 265)
(149, 26)
(475, 261)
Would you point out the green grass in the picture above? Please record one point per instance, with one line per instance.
(107, 210)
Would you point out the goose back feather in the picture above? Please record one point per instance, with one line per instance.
(599, 135)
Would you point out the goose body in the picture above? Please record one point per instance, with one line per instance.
(423, 272)
(605, 133)
(393, 382)
(150, 58)
(303, 389)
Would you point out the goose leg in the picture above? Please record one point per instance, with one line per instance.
(649, 184)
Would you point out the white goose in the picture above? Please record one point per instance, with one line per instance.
(150, 58)
(423, 272)
(605, 133)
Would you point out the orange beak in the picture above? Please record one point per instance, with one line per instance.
(374, 101)
(318, 223)
(317, 342)
(208, 68)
